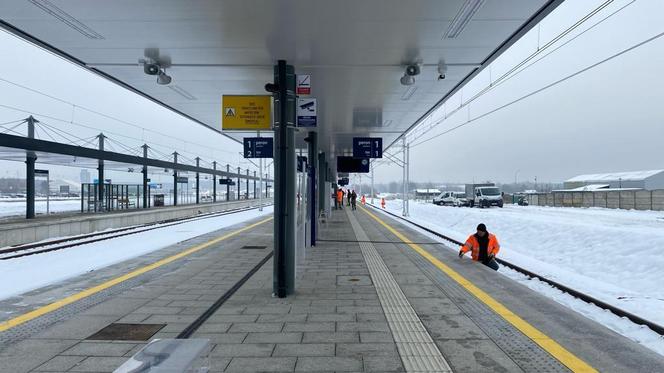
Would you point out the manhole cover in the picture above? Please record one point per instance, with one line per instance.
(127, 332)
(253, 247)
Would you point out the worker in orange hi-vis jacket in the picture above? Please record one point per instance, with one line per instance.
(483, 247)
(382, 202)
(364, 200)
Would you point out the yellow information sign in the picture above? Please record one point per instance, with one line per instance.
(247, 113)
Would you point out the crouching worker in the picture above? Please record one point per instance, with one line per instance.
(483, 246)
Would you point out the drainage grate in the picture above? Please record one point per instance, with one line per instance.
(127, 332)
(249, 247)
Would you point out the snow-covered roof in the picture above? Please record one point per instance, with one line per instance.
(590, 188)
(427, 191)
(615, 176)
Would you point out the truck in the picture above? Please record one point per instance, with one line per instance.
(484, 195)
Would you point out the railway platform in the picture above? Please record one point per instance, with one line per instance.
(372, 296)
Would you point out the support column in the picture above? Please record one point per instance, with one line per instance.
(100, 174)
(312, 199)
(145, 177)
(285, 166)
(30, 160)
(260, 191)
(322, 179)
(198, 181)
(238, 183)
(403, 178)
(228, 187)
(246, 190)
(214, 182)
(254, 195)
(407, 165)
(175, 180)
(372, 183)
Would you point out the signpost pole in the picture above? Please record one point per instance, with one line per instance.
(312, 140)
(228, 186)
(238, 183)
(407, 166)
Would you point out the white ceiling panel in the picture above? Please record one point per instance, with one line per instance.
(355, 50)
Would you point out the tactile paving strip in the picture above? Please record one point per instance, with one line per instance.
(521, 349)
(417, 349)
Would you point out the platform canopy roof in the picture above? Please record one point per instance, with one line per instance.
(355, 51)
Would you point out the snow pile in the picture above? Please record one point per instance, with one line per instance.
(16, 208)
(613, 255)
(35, 271)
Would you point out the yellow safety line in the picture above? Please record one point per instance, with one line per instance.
(552, 347)
(96, 289)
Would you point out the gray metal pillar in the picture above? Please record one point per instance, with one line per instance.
(30, 160)
(214, 182)
(228, 187)
(254, 195)
(407, 166)
(285, 165)
(322, 179)
(238, 183)
(198, 182)
(372, 183)
(246, 190)
(175, 180)
(100, 175)
(312, 199)
(145, 177)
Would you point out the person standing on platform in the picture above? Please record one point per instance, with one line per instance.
(483, 246)
(348, 194)
(340, 198)
(353, 200)
(364, 200)
(382, 202)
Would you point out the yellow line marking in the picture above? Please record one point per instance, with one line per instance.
(96, 289)
(552, 347)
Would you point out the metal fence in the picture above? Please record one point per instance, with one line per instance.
(627, 200)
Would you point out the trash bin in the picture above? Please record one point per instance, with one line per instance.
(158, 200)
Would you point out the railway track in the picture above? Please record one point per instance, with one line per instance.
(532, 275)
(18, 251)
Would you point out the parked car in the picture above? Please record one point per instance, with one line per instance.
(451, 199)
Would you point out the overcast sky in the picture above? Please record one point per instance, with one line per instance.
(605, 119)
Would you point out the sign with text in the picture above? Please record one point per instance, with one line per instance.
(258, 147)
(183, 180)
(352, 164)
(368, 147)
(226, 182)
(246, 113)
(303, 85)
(306, 112)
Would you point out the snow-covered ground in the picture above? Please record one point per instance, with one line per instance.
(16, 208)
(613, 255)
(35, 271)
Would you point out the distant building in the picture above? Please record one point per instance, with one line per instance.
(429, 193)
(648, 180)
(85, 176)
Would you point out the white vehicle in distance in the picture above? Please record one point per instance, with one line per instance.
(487, 196)
(451, 199)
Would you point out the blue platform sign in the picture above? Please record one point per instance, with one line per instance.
(258, 147)
(367, 147)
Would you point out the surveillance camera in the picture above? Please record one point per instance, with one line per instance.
(412, 70)
(441, 76)
(151, 68)
(272, 88)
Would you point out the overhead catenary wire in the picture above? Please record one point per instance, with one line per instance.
(528, 62)
(542, 89)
